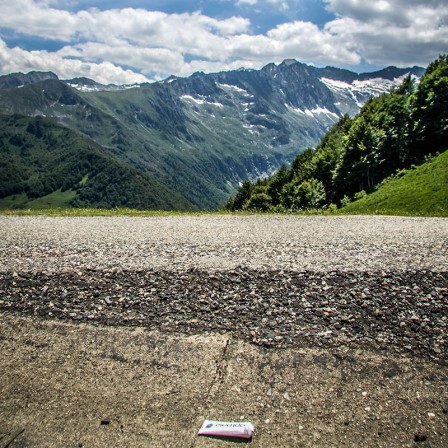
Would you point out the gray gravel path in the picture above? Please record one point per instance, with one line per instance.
(223, 242)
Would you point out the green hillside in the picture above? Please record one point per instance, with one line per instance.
(421, 191)
(43, 164)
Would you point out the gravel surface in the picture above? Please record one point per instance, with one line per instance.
(273, 280)
(224, 242)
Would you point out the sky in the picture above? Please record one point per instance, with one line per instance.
(125, 42)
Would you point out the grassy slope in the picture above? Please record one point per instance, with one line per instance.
(57, 199)
(158, 144)
(422, 191)
(99, 212)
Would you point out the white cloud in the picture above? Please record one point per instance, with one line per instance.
(147, 60)
(34, 18)
(283, 4)
(383, 32)
(15, 59)
(302, 40)
(247, 2)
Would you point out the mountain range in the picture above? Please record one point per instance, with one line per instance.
(181, 143)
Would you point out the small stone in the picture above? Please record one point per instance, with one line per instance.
(419, 437)
(105, 421)
(431, 414)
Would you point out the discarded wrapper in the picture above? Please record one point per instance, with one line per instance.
(226, 429)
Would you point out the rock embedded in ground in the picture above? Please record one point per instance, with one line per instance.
(420, 437)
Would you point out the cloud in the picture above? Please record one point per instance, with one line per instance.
(16, 59)
(399, 32)
(283, 4)
(129, 44)
(145, 59)
(152, 42)
(296, 39)
(247, 2)
(33, 18)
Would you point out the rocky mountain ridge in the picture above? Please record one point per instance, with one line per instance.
(203, 134)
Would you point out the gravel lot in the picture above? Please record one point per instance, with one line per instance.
(272, 280)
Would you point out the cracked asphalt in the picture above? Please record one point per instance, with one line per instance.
(322, 331)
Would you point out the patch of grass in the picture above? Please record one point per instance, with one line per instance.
(96, 212)
(421, 191)
(84, 180)
(15, 201)
(57, 199)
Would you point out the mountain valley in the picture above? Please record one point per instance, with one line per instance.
(195, 138)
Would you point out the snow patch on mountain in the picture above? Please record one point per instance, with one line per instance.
(200, 101)
(320, 110)
(350, 96)
(96, 87)
(313, 113)
(235, 88)
(371, 87)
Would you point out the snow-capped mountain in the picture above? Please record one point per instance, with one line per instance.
(291, 88)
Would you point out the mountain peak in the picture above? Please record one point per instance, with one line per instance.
(200, 135)
(390, 73)
(287, 62)
(19, 79)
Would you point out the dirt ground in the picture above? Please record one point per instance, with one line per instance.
(80, 385)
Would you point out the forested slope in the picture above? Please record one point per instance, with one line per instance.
(390, 133)
(45, 164)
